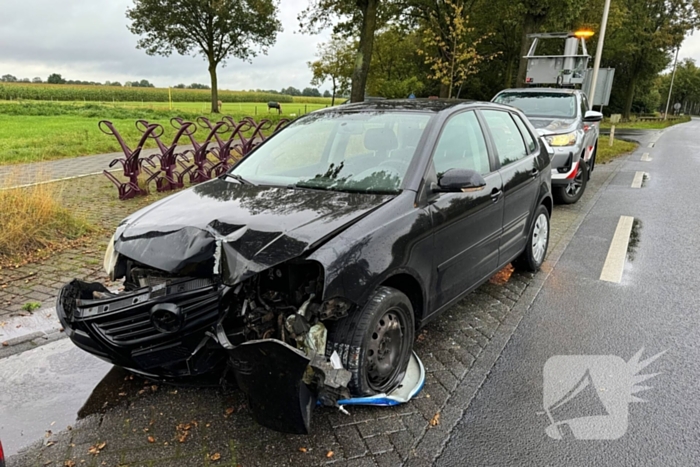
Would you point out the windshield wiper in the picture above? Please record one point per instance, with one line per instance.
(305, 186)
(240, 179)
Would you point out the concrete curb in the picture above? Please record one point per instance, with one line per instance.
(21, 333)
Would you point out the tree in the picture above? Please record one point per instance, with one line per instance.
(180, 86)
(311, 92)
(450, 48)
(198, 86)
(291, 91)
(361, 17)
(55, 78)
(8, 79)
(37, 80)
(643, 46)
(215, 29)
(327, 94)
(335, 62)
(396, 70)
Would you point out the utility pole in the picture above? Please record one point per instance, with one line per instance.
(673, 77)
(599, 52)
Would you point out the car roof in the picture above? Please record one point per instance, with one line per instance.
(408, 105)
(540, 90)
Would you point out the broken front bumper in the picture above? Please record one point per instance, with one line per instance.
(157, 331)
(173, 331)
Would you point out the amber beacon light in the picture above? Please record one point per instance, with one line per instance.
(584, 34)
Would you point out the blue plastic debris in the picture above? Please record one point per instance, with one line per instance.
(408, 389)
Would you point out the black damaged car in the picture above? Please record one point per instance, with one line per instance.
(306, 270)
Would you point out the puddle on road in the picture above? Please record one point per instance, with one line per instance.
(43, 389)
(52, 386)
(635, 237)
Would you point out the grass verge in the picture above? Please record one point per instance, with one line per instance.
(647, 125)
(34, 220)
(606, 153)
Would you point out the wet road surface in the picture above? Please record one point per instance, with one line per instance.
(654, 307)
(43, 389)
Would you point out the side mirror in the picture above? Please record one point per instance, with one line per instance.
(592, 116)
(458, 180)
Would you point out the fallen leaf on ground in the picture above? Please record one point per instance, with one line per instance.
(229, 411)
(435, 421)
(330, 454)
(215, 457)
(302, 449)
(50, 443)
(69, 463)
(151, 439)
(95, 450)
(5, 344)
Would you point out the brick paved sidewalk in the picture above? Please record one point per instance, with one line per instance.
(25, 174)
(142, 424)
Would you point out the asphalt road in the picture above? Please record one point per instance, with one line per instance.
(655, 307)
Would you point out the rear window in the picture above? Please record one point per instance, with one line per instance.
(535, 104)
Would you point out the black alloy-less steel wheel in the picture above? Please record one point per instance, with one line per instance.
(571, 193)
(375, 343)
(537, 242)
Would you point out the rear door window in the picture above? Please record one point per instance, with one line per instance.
(506, 136)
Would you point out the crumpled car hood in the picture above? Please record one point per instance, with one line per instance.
(237, 230)
(549, 126)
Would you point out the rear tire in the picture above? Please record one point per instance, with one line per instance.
(375, 343)
(537, 243)
(571, 193)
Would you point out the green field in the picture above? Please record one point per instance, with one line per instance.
(40, 131)
(69, 93)
(239, 108)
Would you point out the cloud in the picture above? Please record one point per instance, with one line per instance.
(89, 40)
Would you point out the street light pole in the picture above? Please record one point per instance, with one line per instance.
(599, 52)
(673, 77)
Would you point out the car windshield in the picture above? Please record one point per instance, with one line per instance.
(357, 152)
(535, 104)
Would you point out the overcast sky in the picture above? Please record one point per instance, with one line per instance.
(88, 40)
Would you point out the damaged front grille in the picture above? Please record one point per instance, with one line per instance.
(133, 320)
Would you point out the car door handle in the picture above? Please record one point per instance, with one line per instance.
(496, 194)
(534, 173)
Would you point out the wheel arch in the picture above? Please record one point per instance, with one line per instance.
(412, 288)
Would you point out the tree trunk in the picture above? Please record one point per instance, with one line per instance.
(444, 90)
(214, 89)
(364, 53)
(333, 97)
(528, 27)
(509, 74)
(629, 98)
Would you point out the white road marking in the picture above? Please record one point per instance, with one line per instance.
(645, 157)
(615, 261)
(638, 179)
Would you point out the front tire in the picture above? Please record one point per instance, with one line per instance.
(571, 193)
(537, 243)
(375, 343)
